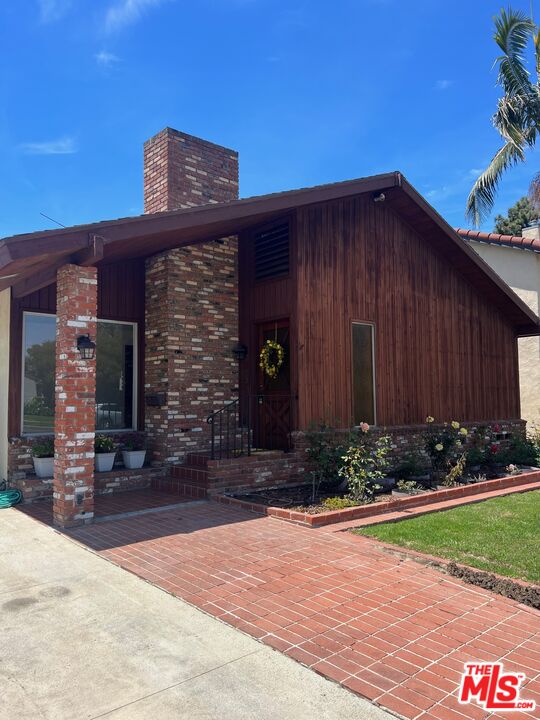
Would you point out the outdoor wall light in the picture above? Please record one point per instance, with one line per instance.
(380, 197)
(240, 351)
(86, 347)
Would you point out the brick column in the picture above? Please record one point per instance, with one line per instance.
(74, 425)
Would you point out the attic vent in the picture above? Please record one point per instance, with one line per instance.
(272, 252)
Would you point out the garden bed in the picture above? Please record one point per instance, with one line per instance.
(255, 502)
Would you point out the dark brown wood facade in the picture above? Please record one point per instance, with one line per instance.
(441, 348)
(120, 297)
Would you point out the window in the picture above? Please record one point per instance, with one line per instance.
(272, 252)
(115, 374)
(363, 368)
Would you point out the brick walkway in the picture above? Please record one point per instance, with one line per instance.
(389, 629)
(131, 501)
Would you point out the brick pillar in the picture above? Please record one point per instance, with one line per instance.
(76, 311)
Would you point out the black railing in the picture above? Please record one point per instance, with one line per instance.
(230, 431)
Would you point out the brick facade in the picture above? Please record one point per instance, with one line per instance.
(191, 299)
(75, 397)
(191, 330)
(183, 171)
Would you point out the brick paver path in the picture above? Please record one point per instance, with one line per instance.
(390, 629)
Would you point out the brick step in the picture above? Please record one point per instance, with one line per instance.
(191, 474)
(176, 486)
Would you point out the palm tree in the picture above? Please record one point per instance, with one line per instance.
(518, 112)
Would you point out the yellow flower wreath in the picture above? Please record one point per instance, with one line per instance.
(271, 358)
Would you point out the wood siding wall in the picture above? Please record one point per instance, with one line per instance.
(441, 349)
(120, 297)
(261, 302)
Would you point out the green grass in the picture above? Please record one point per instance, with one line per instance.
(499, 535)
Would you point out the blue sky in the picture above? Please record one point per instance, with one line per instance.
(308, 91)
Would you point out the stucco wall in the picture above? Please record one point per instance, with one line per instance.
(5, 302)
(521, 270)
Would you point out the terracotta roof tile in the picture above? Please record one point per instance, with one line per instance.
(497, 239)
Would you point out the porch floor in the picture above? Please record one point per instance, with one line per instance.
(112, 506)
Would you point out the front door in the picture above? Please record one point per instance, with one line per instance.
(272, 412)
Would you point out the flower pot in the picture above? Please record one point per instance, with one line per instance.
(44, 467)
(104, 461)
(133, 459)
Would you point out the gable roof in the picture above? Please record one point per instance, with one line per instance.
(30, 261)
(515, 241)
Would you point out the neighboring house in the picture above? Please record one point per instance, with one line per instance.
(517, 261)
(384, 313)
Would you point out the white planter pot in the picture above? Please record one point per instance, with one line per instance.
(44, 467)
(104, 461)
(133, 459)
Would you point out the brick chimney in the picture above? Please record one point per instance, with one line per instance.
(182, 171)
(532, 230)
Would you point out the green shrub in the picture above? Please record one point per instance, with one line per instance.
(338, 503)
(103, 444)
(521, 451)
(411, 466)
(324, 451)
(363, 466)
(408, 486)
(44, 449)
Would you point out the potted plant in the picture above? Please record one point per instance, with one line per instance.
(133, 454)
(43, 457)
(105, 453)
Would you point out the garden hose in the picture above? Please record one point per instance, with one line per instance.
(8, 498)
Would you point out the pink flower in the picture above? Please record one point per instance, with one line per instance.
(364, 427)
(497, 428)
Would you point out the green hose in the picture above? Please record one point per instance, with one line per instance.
(9, 498)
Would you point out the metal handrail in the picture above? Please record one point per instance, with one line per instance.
(233, 436)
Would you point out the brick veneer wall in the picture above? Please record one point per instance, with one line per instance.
(191, 298)
(75, 397)
(183, 171)
(191, 330)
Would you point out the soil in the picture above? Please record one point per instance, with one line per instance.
(299, 497)
(526, 594)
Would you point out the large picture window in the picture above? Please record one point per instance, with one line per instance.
(115, 374)
(363, 369)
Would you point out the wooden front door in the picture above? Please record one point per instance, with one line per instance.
(272, 412)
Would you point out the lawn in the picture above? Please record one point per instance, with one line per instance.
(499, 535)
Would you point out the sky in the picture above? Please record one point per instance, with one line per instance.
(308, 92)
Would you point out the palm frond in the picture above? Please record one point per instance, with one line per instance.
(482, 196)
(513, 30)
(534, 193)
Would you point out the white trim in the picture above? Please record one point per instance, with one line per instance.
(134, 389)
(373, 365)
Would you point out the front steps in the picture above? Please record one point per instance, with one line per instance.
(200, 476)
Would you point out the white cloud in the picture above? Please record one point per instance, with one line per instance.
(124, 12)
(443, 84)
(62, 146)
(52, 10)
(106, 59)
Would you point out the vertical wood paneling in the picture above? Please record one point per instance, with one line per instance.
(441, 348)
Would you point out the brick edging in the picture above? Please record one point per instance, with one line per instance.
(355, 513)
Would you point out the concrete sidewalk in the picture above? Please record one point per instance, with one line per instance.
(83, 639)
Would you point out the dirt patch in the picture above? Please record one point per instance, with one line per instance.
(299, 498)
(523, 593)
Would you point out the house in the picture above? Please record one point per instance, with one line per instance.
(381, 311)
(516, 259)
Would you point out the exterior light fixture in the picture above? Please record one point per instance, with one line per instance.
(240, 351)
(86, 347)
(380, 197)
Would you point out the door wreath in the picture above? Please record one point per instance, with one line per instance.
(271, 358)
